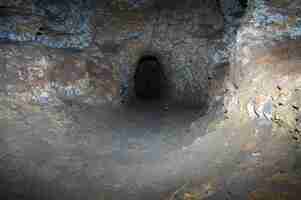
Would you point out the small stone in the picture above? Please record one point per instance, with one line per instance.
(166, 108)
(261, 107)
(249, 146)
(268, 109)
(250, 108)
(43, 98)
(134, 35)
(256, 154)
(295, 107)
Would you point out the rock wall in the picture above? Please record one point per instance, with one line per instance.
(188, 42)
(57, 24)
(265, 66)
(201, 46)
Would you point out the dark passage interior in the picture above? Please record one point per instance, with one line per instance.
(149, 79)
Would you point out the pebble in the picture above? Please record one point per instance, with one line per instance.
(261, 107)
(256, 154)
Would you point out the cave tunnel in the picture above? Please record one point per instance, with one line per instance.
(149, 81)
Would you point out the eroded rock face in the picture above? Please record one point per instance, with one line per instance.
(266, 62)
(188, 42)
(46, 76)
(57, 24)
(198, 45)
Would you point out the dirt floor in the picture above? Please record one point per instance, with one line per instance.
(79, 151)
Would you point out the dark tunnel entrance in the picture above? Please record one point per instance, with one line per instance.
(149, 79)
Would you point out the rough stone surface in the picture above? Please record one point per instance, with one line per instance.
(194, 55)
(57, 24)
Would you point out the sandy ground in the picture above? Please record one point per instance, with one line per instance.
(78, 151)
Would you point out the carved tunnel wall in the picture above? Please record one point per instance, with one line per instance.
(90, 53)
